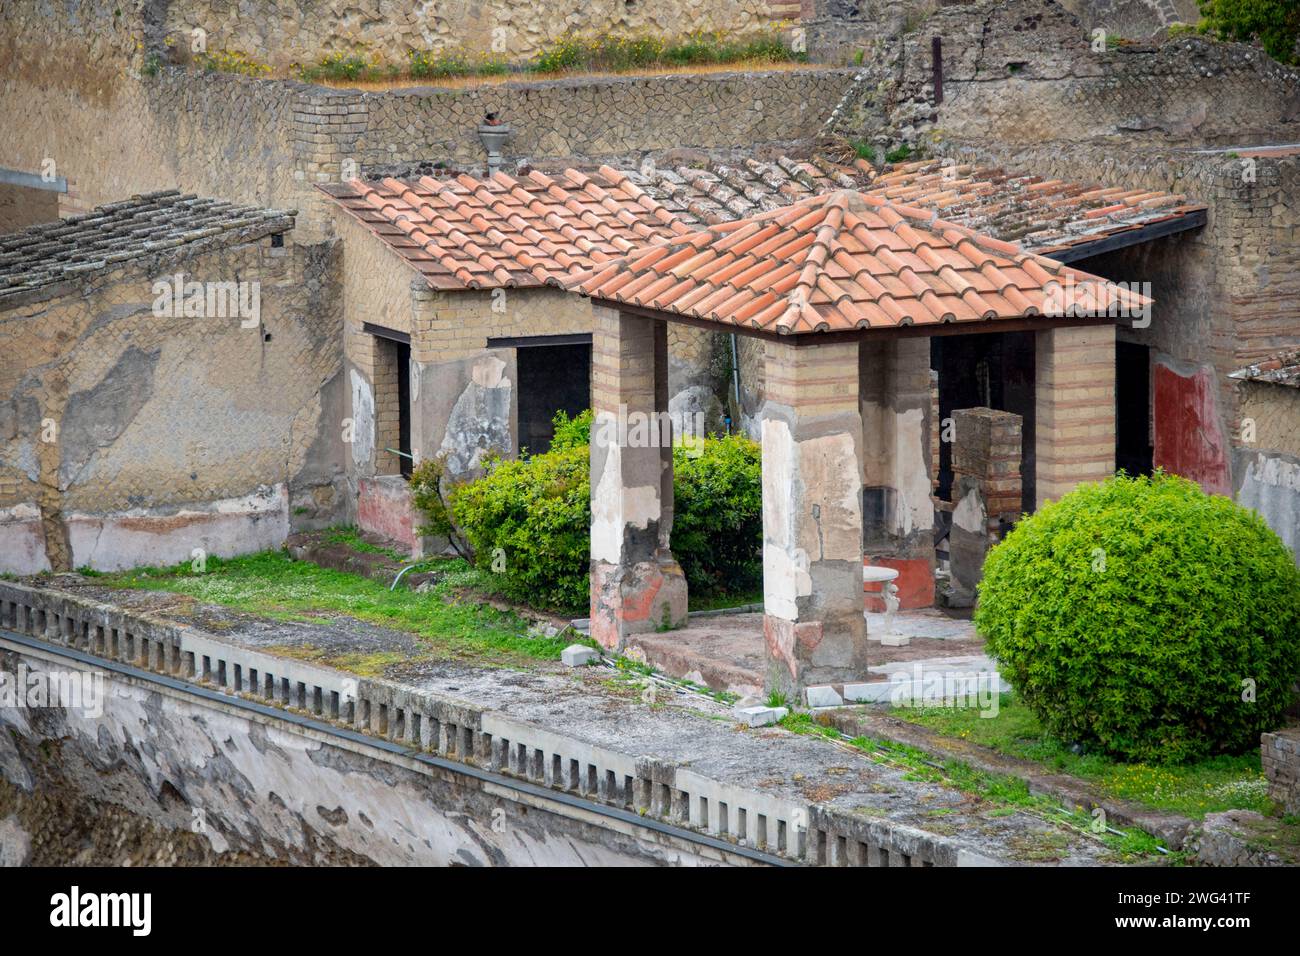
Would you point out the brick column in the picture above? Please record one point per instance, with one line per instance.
(812, 517)
(636, 585)
(1074, 406)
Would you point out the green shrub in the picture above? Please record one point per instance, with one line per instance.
(571, 432)
(718, 516)
(1274, 23)
(529, 520)
(1133, 615)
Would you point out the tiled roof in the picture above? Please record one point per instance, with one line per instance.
(842, 261)
(466, 233)
(728, 191)
(42, 256)
(1281, 369)
(1049, 217)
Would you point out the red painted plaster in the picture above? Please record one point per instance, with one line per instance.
(915, 583)
(1188, 438)
(384, 508)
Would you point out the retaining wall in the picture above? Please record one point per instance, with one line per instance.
(426, 722)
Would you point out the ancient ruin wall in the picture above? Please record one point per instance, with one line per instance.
(1027, 71)
(221, 786)
(133, 438)
(283, 32)
(268, 141)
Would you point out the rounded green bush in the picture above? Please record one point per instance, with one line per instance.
(529, 521)
(1146, 619)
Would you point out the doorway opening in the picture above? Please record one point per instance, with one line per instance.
(1133, 448)
(990, 370)
(552, 378)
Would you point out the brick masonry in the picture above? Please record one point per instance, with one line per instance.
(1074, 407)
(986, 448)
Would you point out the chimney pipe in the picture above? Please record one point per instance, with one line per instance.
(493, 133)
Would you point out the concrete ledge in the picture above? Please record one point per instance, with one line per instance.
(1172, 828)
(457, 728)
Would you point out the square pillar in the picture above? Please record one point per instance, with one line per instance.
(636, 585)
(1074, 408)
(812, 517)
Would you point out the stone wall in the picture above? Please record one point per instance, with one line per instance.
(268, 141)
(134, 438)
(1132, 19)
(284, 32)
(1027, 71)
(1266, 460)
(163, 777)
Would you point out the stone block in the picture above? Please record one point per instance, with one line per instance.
(823, 695)
(760, 716)
(579, 655)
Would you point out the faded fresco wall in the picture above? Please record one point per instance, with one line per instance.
(130, 438)
(1267, 468)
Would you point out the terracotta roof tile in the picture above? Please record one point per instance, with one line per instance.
(841, 261)
(1044, 216)
(1280, 369)
(466, 233)
(40, 257)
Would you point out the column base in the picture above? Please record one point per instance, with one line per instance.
(636, 599)
(803, 653)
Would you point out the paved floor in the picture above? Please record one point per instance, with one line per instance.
(725, 651)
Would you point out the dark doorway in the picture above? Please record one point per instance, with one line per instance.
(404, 461)
(552, 378)
(1133, 450)
(991, 370)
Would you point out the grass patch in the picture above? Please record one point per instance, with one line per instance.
(864, 150)
(271, 584)
(1194, 789)
(350, 535)
(1003, 794)
(572, 54)
(719, 602)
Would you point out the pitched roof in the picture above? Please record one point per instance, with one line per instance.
(1051, 217)
(1048, 216)
(724, 192)
(40, 257)
(843, 261)
(1280, 369)
(467, 233)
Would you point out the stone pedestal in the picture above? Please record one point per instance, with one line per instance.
(636, 585)
(812, 517)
